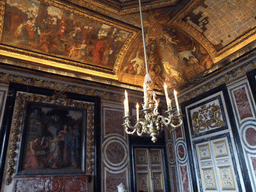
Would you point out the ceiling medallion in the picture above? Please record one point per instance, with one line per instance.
(151, 123)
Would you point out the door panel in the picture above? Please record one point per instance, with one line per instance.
(149, 170)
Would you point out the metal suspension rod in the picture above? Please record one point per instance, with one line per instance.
(143, 38)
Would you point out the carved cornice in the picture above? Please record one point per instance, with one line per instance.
(226, 75)
(65, 84)
(121, 8)
(17, 123)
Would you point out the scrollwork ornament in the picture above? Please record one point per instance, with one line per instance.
(207, 117)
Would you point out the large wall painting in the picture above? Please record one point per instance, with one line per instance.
(63, 32)
(53, 139)
(52, 135)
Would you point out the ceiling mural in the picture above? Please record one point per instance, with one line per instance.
(173, 57)
(50, 30)
(101, 40)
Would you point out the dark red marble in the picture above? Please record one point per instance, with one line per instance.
(114, 179)
(115, 152)
(51, 183)
(181, 151)
(173, 178)
(171, 152)
(113, 122)
(184, 177)
(242, 103)
(250, 135)
(178, 132)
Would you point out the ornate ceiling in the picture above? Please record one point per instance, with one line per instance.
(100, 40)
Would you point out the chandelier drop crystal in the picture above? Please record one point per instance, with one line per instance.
(151, 123)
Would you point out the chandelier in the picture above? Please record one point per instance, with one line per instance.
(151, 123)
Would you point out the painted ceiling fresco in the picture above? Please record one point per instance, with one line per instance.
(173, 58)
(184, 40)
(50, 30)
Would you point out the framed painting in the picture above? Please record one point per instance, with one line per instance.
(51, 135)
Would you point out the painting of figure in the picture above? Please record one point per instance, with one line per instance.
(35, 26)
(53, 139)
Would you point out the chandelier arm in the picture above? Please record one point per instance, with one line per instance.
(166, 121)
(177, 125)
(129, 132)
(127, 125)
(142, 124)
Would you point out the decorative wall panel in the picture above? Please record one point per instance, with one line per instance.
(114, 145)
(214, 139)
(216, 163)
(242, 94)
(207, 117)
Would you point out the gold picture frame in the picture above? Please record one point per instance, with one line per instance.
(19, 126)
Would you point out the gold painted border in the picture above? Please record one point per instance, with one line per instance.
(18, 121)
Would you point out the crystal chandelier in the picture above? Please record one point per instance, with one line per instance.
(151, 123)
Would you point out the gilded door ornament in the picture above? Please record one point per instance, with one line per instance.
(207, 117)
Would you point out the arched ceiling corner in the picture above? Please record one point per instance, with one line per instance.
(197, 36)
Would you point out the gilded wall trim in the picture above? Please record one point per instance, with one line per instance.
(17, 126)
(59, 83)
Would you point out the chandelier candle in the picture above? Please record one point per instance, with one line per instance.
(151, 122)
(166, 96)
(176, 101)
(137, 111)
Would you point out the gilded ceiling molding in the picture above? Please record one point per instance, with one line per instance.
(2, 12)
(122, 53)
(121, 8)
(236, 45)
(39, 61)
(227, 77)
(17, 126)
